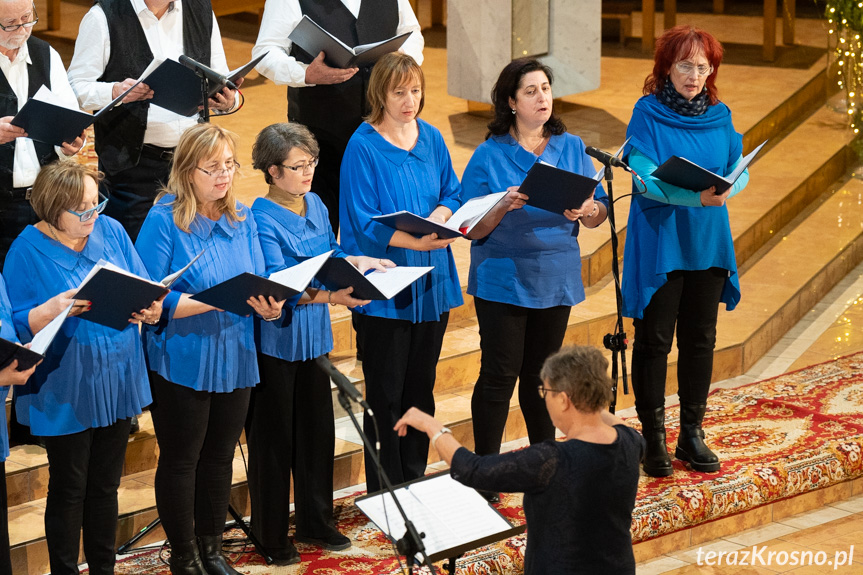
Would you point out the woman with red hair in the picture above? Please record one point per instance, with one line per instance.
(679, 259)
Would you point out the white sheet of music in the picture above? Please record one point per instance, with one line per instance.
(298, 277)
(395, 279)
(449, 513)
(46, 335)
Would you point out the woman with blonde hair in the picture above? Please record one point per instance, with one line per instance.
(202, 360)
(93, 379)
(395, 161)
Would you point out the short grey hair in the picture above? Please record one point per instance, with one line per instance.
(276, 141)
(581, 372)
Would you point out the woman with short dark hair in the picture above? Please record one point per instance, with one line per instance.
(578, 493)
(290, 427)
(525, 269)
(679, 259)
(395, 161)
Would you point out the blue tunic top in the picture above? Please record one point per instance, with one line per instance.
(662, 237)
(212, 351)
(92, 375)
(7, 332)
(379, 178)
(304, 332)
(531, 259)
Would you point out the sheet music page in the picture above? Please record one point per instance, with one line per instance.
(298, 277)
(49, 97)
(169, 280)
(449, 513)
(396, 279)
(744, 163)
(473, 210)
(46, 335)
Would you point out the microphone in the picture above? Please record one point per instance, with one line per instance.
(207, 72)
(607, 159)
(342, 382)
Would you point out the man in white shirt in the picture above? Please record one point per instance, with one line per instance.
(117, 40)
(330, 101)
(26, 64)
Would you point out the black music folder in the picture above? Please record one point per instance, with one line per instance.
(556, 190)
(339, 273)
(309, 36)
(231, 295)
(178, 89)
(115, 294)
(10, 351)
(458, 226)
(682, 173)
(48, 119)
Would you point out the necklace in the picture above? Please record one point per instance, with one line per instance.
(53, 235)
(527, 146)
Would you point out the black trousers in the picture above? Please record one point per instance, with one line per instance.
(326, 182)
(290, 429)
(5, 555)
(84, 473)
(197, 432)
(690, 299)
(15, 215)
(399, 362)
(515, 341)
(132, 192)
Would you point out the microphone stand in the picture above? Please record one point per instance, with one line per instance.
(412, 542)
(615, 342)
(204, 114)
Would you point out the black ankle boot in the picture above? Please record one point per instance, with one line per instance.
(212, 558)
(690, 444)
(656, 461)
(185, 559)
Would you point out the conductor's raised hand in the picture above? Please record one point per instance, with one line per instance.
(266, 307)
(419, 420)
(139, 92)
(709, 197)
(513, 200)
(319, 73)
(8, 132)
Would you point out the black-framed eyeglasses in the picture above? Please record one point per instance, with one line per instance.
(306, 167)
(230, 169)
(87, 215)
(545, 390)
(28, 24)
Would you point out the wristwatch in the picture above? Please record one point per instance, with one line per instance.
(437, 435)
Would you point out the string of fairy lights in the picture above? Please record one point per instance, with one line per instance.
(845, 24)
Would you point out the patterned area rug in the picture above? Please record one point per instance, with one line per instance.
(776, 438)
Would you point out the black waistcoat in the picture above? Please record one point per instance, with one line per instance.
(38, 73)
(339, 108)
(120, 132)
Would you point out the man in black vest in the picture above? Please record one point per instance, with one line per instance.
(330, 101)
(27, 64)
(135, 142)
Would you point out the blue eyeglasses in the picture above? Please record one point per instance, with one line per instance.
(87, 215)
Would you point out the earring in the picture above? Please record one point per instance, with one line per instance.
(513, 111)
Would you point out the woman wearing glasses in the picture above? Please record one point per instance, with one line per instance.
(93, 380)
(290, 428)
(202, 360)
(679, 257)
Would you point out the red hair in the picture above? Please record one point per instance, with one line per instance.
(677, 44)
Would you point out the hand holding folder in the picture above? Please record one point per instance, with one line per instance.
(458, 226)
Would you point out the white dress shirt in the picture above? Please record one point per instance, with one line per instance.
(282, 16)
(165, 38)
(26, 166)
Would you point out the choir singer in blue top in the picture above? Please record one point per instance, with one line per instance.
(525, 264)
(94, 379)
(678, 263)
(290, 427)
(395, 161)
(202, 360)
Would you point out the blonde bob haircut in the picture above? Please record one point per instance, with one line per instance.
(393, 70)
(60, 187)
(198, 144)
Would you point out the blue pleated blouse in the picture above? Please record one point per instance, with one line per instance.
(532, 258)
(304, 332)
(379, 178)
(7, 332)
(92, 375)
(663, 237)
(213, 351)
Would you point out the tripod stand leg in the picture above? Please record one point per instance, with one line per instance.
(238, 519)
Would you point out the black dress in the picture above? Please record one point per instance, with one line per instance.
(578, 500)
